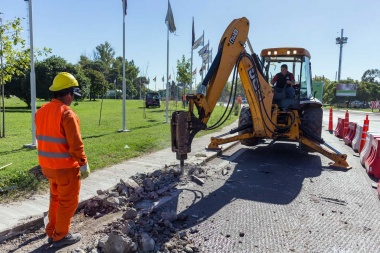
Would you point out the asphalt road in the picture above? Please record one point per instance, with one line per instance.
(280, 199)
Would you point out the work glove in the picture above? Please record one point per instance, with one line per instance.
(84, 171)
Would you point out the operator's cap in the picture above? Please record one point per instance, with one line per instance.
(77, 92)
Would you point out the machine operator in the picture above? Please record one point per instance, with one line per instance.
(284, 80)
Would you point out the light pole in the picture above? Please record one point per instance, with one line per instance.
(340, 40)
(124, 85)
(2, 84)
(32, 79)
(115, 89)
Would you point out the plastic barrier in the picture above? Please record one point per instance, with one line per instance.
(357, 139)
(375, 104)
(350, 133)
(367, 146)
(364, 133)
(346, 120)
(339, 128)
(372, 163)
(331, 120)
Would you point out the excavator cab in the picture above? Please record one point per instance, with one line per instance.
(298, 63)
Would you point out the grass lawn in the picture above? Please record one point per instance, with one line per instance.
(353, 109)
(103, 144)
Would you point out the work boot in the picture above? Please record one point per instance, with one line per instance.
(67, 240)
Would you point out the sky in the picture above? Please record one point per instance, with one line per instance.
(75, 27)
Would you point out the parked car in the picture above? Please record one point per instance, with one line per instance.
(111, 94)
(357, 104)
(244, 101)
(152, 99)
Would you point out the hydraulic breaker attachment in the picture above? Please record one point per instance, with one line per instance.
(184, 126)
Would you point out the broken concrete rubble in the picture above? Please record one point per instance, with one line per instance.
(130, 214)
(140, 228)
(118, 243)
(146, 243)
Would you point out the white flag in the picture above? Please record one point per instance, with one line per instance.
(205, 56)
(198, 42)
(203, 50)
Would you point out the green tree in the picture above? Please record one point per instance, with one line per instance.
(363, 92)
(113, 70)
(105, 53)
(374, 90)
(183, 70)
(371, 76)
(139, 87)
(13, 58)
(46, 70)
(329, 91)
(98, 83)
(83, 61)
(131, 76)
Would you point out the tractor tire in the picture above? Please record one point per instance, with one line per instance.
(312, 120)
(245, 118)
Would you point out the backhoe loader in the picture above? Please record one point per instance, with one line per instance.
(270, 114)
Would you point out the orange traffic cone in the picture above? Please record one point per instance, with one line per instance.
(346, 119)
(331, 120)
(364, 133)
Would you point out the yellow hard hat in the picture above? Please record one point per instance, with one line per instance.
(63, 81)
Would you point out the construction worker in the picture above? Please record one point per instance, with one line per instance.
(183, 100)
(62, 158)
(239, 100)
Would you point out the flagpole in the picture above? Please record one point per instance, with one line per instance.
(124, 129)
(208, 57)
(191, 66)
(203, 44)
(195, 80)
(167, 74)
(202, 73)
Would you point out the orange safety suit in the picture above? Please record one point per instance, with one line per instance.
(60, 154)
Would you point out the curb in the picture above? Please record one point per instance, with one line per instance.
(38, 221)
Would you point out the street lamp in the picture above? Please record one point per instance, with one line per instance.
(115, 88)
(341, 41)
(32, 78)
